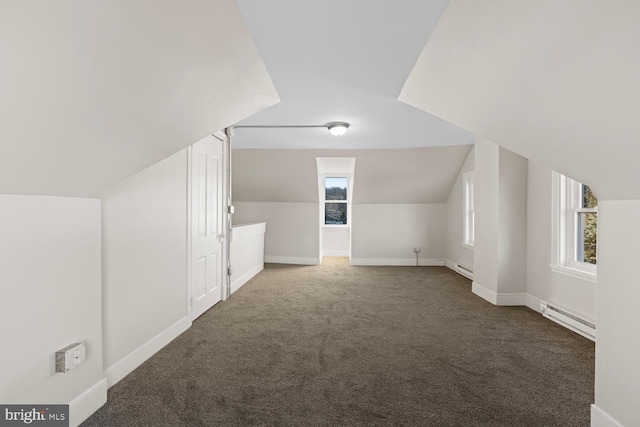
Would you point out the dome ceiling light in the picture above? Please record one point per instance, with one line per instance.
(338, 128)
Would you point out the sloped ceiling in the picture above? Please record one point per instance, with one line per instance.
(411, 175)
(336, 60)
(94, 91)
(556, 82)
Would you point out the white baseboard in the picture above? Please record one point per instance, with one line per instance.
(501, 299)
(136, 358)
(511, 299)
(533, 302)
(484, 293)
(87, 403)
(292, 260)
(246, 277)
(423, 262)
(599, 418)
(337, 253)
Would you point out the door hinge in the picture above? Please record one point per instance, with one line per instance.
(229, 271)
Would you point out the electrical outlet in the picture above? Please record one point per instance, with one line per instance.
(70, 357)
(417, 249)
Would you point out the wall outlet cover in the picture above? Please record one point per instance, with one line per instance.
(70, 357)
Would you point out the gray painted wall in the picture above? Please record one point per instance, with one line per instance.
(144, 226)
(50, 264)
(292, 228)
(399, 199)
(391, 231)
(512, 222)
(415, 175)
(500, 207)
(485, 252)
(618, 340)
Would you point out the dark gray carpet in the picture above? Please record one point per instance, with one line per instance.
(336, 345)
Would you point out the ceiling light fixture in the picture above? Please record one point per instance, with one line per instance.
(338, 128)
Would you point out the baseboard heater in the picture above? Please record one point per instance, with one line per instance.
(563, 317)
(465, 271)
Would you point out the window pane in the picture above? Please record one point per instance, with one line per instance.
(335, 213)
(588, 199)
(587, 237)
(335, 188)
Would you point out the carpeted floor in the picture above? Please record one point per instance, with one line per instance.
(336, 345)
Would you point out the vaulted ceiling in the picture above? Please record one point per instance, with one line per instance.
(556, 82)
(338, 60)
(94, 91)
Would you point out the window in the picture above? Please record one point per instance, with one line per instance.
(335, 201)
(468, 209)
(587, 225)
(575, 228)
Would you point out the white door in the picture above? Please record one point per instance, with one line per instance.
(207, 235)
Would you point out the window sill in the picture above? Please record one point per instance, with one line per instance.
(574, 272)
(467, 246)
(336, 226)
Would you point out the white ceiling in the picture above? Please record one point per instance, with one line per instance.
(92, 92)
(339, 60)
(556, 82)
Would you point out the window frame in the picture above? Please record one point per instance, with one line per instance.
(347, 201)
(468, 209)
(566, 207)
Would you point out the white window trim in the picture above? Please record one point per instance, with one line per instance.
(468, 210)
(348, 201)
(564, 204)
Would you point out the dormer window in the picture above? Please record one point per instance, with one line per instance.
(575, 228)
(335, 201)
